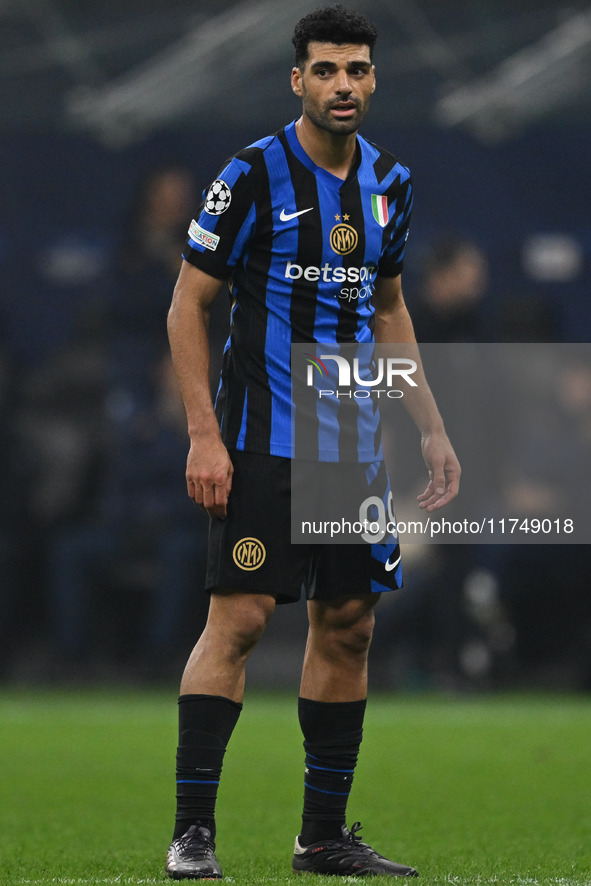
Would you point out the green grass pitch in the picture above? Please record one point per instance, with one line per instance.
(485, 790)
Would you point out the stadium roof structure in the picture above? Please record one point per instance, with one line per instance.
(123, 70)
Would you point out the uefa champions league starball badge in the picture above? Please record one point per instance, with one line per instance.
(218, 198)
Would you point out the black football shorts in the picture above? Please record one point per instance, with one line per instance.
(251, 549)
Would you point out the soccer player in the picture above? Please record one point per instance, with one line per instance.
(287, 221)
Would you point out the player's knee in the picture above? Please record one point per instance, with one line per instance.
(357, 638)
(247, 623)
(248, 633)
(350, 630)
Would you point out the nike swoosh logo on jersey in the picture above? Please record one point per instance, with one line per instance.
(287, 216)
(390, 566)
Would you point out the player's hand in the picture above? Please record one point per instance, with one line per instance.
(209, 475)
(444, 472)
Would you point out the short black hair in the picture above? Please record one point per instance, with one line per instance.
(332, 24)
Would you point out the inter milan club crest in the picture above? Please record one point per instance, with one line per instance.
(343, 239)
(379, 207)
(249, 554)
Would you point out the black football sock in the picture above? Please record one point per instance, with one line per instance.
(332, 735)
(206, 723)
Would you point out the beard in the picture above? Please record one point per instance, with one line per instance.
(323, 119)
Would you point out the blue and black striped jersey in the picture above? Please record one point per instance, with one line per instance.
(301, 250)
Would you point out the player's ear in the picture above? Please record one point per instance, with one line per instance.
(296, 81)
(373, 74)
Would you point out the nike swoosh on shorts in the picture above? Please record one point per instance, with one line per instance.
(390, 566)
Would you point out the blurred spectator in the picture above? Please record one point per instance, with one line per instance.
(59, 426)
(102, 444)
(450, 305)
(545, 586)
(147, 538)
(527, 317)
(57, 431)
(146, 268)
(549, 449)
(448, 628)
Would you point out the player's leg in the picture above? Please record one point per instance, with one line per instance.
(339, 637)
(332, 704)
(250, 553)
(235, 622)
(210, 702)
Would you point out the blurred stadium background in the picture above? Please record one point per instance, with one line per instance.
(113, 117)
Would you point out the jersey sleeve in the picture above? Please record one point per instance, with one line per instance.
(225, 223)
(391, 261)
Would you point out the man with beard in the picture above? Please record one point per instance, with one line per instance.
(308, 226)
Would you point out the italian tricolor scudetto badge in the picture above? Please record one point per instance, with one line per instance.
(379, 207)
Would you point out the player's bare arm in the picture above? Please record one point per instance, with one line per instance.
(393, 324)
(209, 469)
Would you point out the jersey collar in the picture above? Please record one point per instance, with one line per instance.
(332, 180)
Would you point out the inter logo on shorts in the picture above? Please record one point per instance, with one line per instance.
(343, 239)
(249, 554)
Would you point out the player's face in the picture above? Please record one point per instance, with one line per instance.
(335, 85)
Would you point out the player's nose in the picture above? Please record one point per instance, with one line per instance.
(342, 83)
